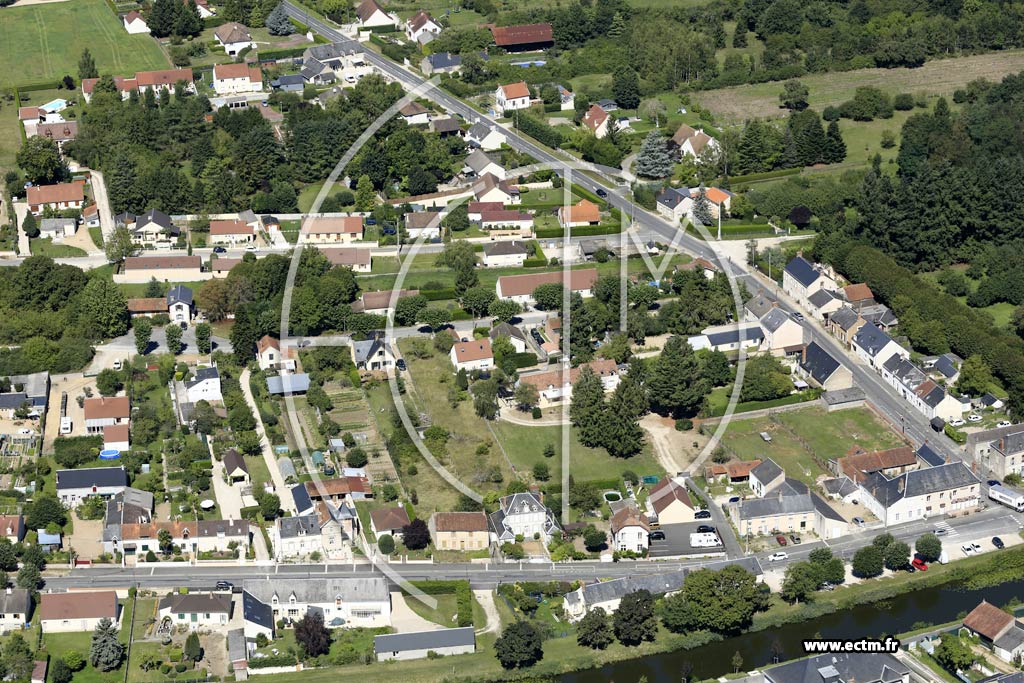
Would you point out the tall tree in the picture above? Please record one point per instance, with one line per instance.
(106, 650)
(203, 334)
(634, 621)
(278, 23)
(593, 631)
(143, 330)
(675, 386)
(366, 196)
(87, 66)
(793, 95)
(519, 646)
(162, 18)
(626, 87)
(193, 648)
(173, 334)
(587, 408)
(104, 308)
(312, 636)
(652, 160)
(119, 245)
(835, 147)
(41, 161)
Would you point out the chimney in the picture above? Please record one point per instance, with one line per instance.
(902, 484)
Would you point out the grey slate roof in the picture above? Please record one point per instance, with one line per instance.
(840, 396)
(257, 612)
(507, 248)
(824, 509)
(775, 504)
(233, 460)
(839, 668)
(845, 318)
(818, 363)
(18, 601)
(365, 349)
(879, 314)
(478, 131)
(774, 319)
(930, 456)
(919, 482)
(13, 400)
(444, 60)
(92, 476)
(506, 330)
(935, 396)
(948, 364)
(671, 197)
(363, 589)
(294, 384)
(802, 271)
(424, 640)
(822, 297)
(840, 486)
(301, 497)
(179, 294)
(767, 471)
(478, 161)
(203, 374)
(215, 603)
(871, 339)
(158, 217)
(293, 527)
(759, 305)
(1012, 639)
(55, 224)
(905, 371)
(753, 334)
(236, 645)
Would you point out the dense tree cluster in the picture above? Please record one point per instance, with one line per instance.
(723, 601)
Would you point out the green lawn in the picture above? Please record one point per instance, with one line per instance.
(444, 614)
(309, 192)
(44, 246)
(828, 435)
(10, 135)
(97, 236)
(43, 43)
(56, 644)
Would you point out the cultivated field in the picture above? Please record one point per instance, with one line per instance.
(43, 43)
(939, 77)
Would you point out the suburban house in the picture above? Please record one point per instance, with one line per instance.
(421, 28)
(237, 79)
(702, 265)
(204, 385)
(288, 83)
(844, 323)
(380, 302)
(459, 530)
(801, 279)
(348, 602)
(523, 514)
(630, 531)
(506, 254)
(60, 132)
(824, 303)
(441, 63)
(370, 14)
(515, 336)
(359, 260)
(415, 114)
(476, 210)
(234, 38)
(472, 355)
(670, 502)
(511, 97)
(425, 224)
(162, 268)
(373, 354)
(822, 369)
(205, 11)
(857, 464)
(1000, 450)
(508, 220)
(179, 304)
(235, 468)
(106, 410)
(389, 521)
(945, 367)
(492, 189)
(861, 667)
(12, 527)
(157, 81)
(782, 334)
(231, 232)
(858, 296)
(257, 618)
(59, 197)
(153, 228)
(583, 212)
(446, 126)
(57, 229)
(677, 203)
(15, 609)
(269, 357)
(690, 142)
(134, 23)
(480, 164)
(875, 347)
(997, 629)
(130, 506)
(328, 531)
(340, 490)
(195, 610)
(340, 230)
(597, 121)
(422, 644)
(203, 536)
(523, 37)
(117, 438)
(76, 611)
(326, 64)
(766, 477)
(920, 493)
(727, 338)
(520, 288)
(91, 216)
(484, 136)
(555, 386)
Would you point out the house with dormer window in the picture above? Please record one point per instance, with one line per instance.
(343, 603)
(523, 514)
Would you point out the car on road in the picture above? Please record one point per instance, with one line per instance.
(702, 514)
(705, 529)
(941, 531)
(998, 542)
(224, 585)
(974, 417)
(970, 548)
(919, 564)
(220, 250)
(657, 535)
(795, 539)
(778, 557)
(252, 249)
(798, 316)
(1004, 423)
(400, 364)
(117, 364)
(957, 422)
(781, 540)
(601, 193)
(992, 482)
(859, 521)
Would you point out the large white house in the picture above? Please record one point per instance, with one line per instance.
(630, 531)
(370, 14)
(422, 28)
(555, 386)
(511, 97)
(520, 288)
(234, 38)
(204, 386)
(921, 493)
(196, 610)
(348, 602)
(523, 514)
(327, 531)
(237, 79)
(15, 609)
(472, 355)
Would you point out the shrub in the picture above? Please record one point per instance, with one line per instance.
(175, 655)
(684, 424)
(180, 668)
(164, 668)
(536, 413)
(386, 544)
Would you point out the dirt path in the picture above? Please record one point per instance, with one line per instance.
(673, 449)
(486, 600)
(26, 3)
(281, 489)
(404, 619)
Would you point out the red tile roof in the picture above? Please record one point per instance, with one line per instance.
(515, 90)
(857, 466)
(349, 225)
(459, 521)
(52, 194)
(267, 342)
(988, 620)
(628, 516)
(116, 433)
(666, 492)
(858, 292)
(554, 378)
(584, 211)
(522, 285)
(161, 262)
(594, 117)
(389, 518)
(230, 227)
(147, 305)
(348, 256)
(163, 77)
(226, 71)
(78, 605)
(107, 407)
(474, 350)
(523, 34)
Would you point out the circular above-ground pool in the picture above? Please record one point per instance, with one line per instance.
(207, 504)
(110, 454)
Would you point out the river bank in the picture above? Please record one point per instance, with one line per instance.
(869, 608)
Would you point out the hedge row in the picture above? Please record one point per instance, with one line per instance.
(782, 173)
(284, 53)
(463, 596)
(438, 294)
(584, 231)
(746, 407)
(214, 22)
(535, 263)
(282, 659)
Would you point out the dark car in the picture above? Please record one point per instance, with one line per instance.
(734, 499)
(705, 529)
(702, 514)
(371, 221)
(781, 540)
(998, 542)
(657, 536)
(389, 231)
(992, 482)
(601, 193)
(220, 250)
(224, 585)
(400, 364)
(910, 568)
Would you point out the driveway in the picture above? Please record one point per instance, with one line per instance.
(87, 539)
(403, 619)
(99, 191)
(486, 600)
(228, 497)
(677, 541)
(124, 347)
(280, 488)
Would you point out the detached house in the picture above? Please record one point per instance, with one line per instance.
(520, 288)
(179, 304)
(373, 354)
(506, 254)
(820, 367)
(12, 527)
(134, 23)
(511, 97)
(340, 230)
(350, 602)
(555, 386)
(234, 38)
(196, 610)
(76, 611)
(268, 355)
(157, 81)
(370, 14)
(153, 228)
(630, 531)
(670, 502)
(479, 164)
(472, 355)
(690, 142)
(998, 630)
(490, 189)
(523, 514)
(515, 336)
(415, 114)
(104, 411)
(204, 386)
(463, 531)
(74, 486)
(162, 268)
(231, 232)
(15, 609)
(800, 280)
(60, 197)
(425, 224)
(237, 79)
(422, 28)
(583, 212)
(484, 136)
(597, 121)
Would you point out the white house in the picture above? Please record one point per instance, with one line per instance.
(268, 354)
(134, 23)
(231, 232)
(179, 304)
(15, 609)
(77, 610)
(104, 411)
(359, 260)
(472, 355)
(801, 279)
(782, 333)
(523, 514)
(237, 79)
(421, 28)
(415, 114)
(630, 531)
(520, 288)
(480, 164)
(153, 228)
(205, 11)
(875, 347)
(204, 386)
(74, 486)
(234, 38)
(582, 213)
(597, 121)
(507, 219)
(370, 14)
(506, 254)
(425, 224)
(57, 197)
(420, 644)
(921, 493)
(332, 230)
(511, 97)
(555, 386)
(515, 336)
(490, 188)
(57, 228)
(998, 630)
(373, 354)
(327, 531)
(485, 137)
(344, 602)
(195, 610)
(691, 142)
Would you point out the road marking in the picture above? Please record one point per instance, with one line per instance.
(950, 531)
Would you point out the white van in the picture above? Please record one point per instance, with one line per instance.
(704, 540)
(65, 426)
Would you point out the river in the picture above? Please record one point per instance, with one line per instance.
(935, 605)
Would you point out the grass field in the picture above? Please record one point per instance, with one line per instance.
(938, 77)
(797, 436)
(43, 43)
(10, 135)
(44, 246)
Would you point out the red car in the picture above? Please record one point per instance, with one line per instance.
(781, 539)
(919, 564)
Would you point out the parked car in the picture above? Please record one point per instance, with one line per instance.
(919, 564)
(702, 514)
(957, 422)
(795, 539)
(970, 548)
(734, 499)
(778, 557)
(781, 540)
(400, 364)
(998, 542)
(798, 316)
(992, 482)
(974, 417)
(219, 250)
(859, 521)
(117, 364)
(910, 568)
(252, 249)
(1003, 423)
(766, 437)
(371, 221)
(224, 585)
(705, 529)
(657, 535)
